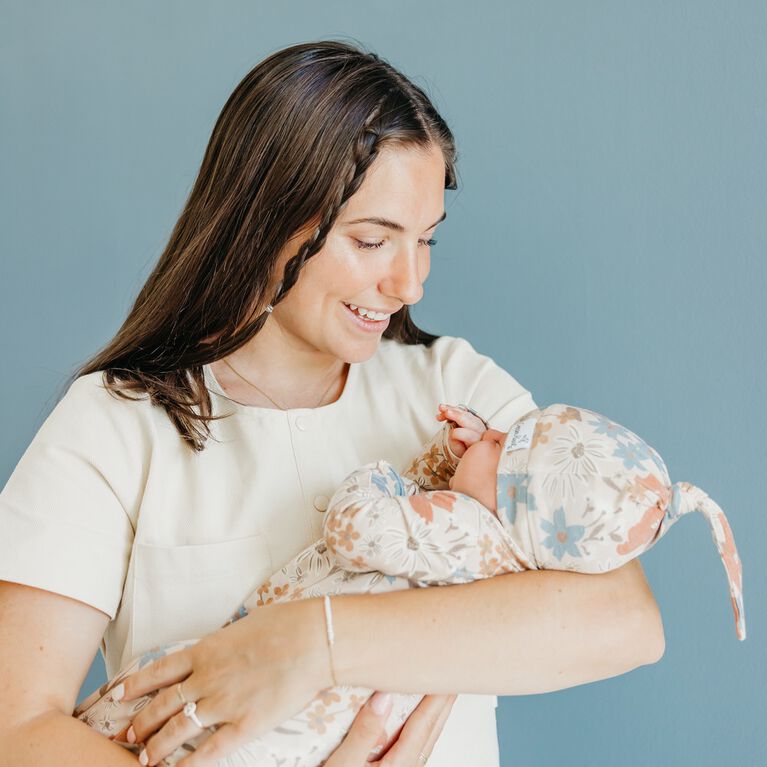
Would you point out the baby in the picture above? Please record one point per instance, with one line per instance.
(564, 488)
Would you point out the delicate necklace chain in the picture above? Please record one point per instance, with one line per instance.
(258, 388)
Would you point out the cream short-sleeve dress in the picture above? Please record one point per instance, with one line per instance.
(109, 506)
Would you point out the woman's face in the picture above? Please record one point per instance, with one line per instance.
(374, 264)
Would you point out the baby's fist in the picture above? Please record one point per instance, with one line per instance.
(468, 428)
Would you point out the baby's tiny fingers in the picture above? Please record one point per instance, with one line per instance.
(465, 435)
(463, 417)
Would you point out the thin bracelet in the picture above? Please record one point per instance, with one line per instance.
(331, 636)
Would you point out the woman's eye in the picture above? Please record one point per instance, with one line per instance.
(369, 245)
(373, 245)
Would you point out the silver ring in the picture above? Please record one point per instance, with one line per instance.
(422, 757)
(189, 711)
(181, 694)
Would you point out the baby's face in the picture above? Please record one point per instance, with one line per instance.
(476, 472)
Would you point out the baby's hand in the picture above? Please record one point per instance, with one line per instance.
(469, 428)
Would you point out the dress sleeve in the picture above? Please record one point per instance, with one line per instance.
(68, 510)
(476, 380)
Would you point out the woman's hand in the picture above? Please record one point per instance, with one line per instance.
(469, 428)
(417, 736)
(247, 677)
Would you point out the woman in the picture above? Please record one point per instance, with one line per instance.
(153, 499)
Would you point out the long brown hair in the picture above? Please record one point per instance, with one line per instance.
(290, 147)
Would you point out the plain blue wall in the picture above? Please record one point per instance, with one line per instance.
(607, 246)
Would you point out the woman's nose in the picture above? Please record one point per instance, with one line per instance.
(407, 275)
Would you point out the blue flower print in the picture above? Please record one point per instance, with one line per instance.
(562, 537)
(388, 482)
(609, 429)
(240, 612)
(399, 485)
(148, 657)
(511, 489)
(632, 454)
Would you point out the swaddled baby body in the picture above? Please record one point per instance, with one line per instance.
(564, 488)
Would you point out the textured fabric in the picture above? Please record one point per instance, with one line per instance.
(577, 491)
(383, 531)
(109, 506)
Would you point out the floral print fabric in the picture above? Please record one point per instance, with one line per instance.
(575, 491)
(383, 531)
(580, 492)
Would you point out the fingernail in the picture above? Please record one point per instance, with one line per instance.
(143, 758)
(118, 692)
(130, 735)
(380, 702)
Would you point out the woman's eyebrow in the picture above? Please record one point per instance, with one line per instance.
(391, 224)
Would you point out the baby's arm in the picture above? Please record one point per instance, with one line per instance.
(372, 523)
(434, 537)
(438, 459)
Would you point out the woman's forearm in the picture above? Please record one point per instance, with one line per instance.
(516, 634)
(55, 738)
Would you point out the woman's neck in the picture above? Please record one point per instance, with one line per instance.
(292, 377)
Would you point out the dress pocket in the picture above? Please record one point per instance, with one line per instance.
(185, 592)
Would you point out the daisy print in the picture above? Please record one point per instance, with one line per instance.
(574, 453)
(414, 551)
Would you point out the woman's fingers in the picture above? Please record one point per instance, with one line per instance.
(421, 730)
(366, 732)
(158, 711)
(180, 729)
(173, 666)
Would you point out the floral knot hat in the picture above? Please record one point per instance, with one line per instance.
(577, 491)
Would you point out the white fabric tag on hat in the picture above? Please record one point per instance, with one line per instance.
(521, 435)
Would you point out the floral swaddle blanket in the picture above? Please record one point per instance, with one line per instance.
(385, 530)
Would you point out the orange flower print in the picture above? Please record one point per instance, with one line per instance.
(652, 483)
(444, 500)
(280, 591)
(359, 562)
(539, 436)
(422, 503)
(485, 545)
(334, 522)
(732, 563)
(356, 702)
(421, 506)
(347, 537)
(569, 414)
(643, 531)
(328, 697)
(318, 719)
(489, 567)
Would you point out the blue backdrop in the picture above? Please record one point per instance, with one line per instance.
(607, 246)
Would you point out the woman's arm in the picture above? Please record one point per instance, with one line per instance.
(47, 643)
(517, 634)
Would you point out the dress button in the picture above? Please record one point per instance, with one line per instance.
(320, 502)
(301, 423)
